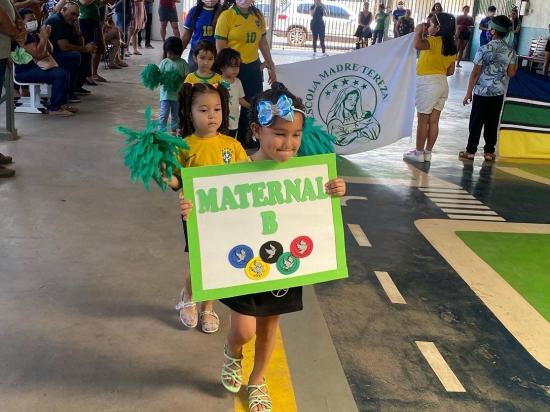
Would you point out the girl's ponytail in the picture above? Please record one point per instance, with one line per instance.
(447, 29)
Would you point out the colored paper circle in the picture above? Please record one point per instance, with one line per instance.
(270, 251)
(301, 247)
(239, 256)
(256, 269)
(288, 264)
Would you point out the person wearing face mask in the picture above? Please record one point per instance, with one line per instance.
(42, 68)
(494, 64)
(397, 13)
(485, 36)
(199, 25)
(242, 28)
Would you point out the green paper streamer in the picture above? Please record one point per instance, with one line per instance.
(315, 140)
(171, 80)
(147, 149)
(20, 56)
(151, 76)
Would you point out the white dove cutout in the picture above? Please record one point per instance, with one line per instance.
(288, 262)
(241, 255)
(302, 247)
(271, 251)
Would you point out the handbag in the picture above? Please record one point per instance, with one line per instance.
(46, 63)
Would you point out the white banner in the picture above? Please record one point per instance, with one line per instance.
(365, 98)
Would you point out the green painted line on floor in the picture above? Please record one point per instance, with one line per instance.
(521, 259)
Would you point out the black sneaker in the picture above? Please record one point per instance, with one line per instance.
(5, 172)
(73, 98)
(5, 160)
(148, 46)
(82, 90)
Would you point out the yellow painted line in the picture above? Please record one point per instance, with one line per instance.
(525, 175)
(523, 321)
(277, 377)
(442, 370)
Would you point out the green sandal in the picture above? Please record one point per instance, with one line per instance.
(258, 396)
(232, 371)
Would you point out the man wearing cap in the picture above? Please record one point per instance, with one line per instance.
(494, 64)
(397, 13)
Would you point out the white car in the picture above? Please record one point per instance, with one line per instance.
(293, 22)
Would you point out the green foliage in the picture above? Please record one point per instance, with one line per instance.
(148, 149)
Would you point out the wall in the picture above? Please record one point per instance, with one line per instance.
(535, 24)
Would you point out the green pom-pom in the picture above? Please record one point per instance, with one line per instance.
(171, 80)
(147, 149)
(151, 76)
(315, 140)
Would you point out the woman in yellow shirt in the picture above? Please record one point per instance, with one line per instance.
(242, 28)
(435, 62)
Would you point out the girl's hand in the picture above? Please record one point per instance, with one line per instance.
(185, 206)
(336, 187)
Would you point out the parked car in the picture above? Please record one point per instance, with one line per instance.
(293, 22)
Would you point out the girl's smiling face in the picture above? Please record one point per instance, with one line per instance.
(206, 113)
(281, 140)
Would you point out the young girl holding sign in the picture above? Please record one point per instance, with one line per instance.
(204, 113)
(277, 121)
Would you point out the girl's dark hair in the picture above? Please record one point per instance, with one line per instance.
(174, 45)
(435, 4)
(505, 22)
(206, 46)
(447, 28)
(226, 58)
(277, 90)
(24, 12)
(187, 95)
(198, 9)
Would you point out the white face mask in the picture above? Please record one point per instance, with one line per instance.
(210, 3)
(31, 26)
(245, 4)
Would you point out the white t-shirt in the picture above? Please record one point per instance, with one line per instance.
(5, 41)
(236, 91)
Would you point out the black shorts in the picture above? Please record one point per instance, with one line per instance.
(90, 30)
(185, 235)
(168, 14)
(276, 302)
(464, 35)
(547, 48)
(363, 32)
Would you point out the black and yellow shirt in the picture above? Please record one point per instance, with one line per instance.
(208, 151)
(243, 32)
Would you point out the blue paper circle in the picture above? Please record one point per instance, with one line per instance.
(239, 256)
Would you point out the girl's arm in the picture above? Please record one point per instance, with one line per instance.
(221, 44)
(244, 103)
(186, 38)
(474, 77)
(335, 187)
(420, 43)
(264, 49)
(451, 69)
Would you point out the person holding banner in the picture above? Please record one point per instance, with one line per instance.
(278, 123)
(435, 63)
(242, 28)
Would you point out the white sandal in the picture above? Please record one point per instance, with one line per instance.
(182, 306)
(211, 326)
(232, 371)
(258, 396)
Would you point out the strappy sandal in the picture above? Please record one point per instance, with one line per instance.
(258, 396)
(489, 157)
(182, 306)
(211, 326)
(232, 372)
(466, 156)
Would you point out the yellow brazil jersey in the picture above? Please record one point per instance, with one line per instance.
(194, 78)
(243, 32)
(208, 151)
(431, 61)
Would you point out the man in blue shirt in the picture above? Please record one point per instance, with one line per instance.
(397, 13)
(485, 36)
(494, 64)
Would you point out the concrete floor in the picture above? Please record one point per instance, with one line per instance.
(90, 268)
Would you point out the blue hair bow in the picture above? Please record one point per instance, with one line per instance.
(267, 110)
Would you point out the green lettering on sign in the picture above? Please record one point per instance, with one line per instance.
(269, 222)
(208, 202)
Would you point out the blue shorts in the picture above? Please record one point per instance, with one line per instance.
(168, 14)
